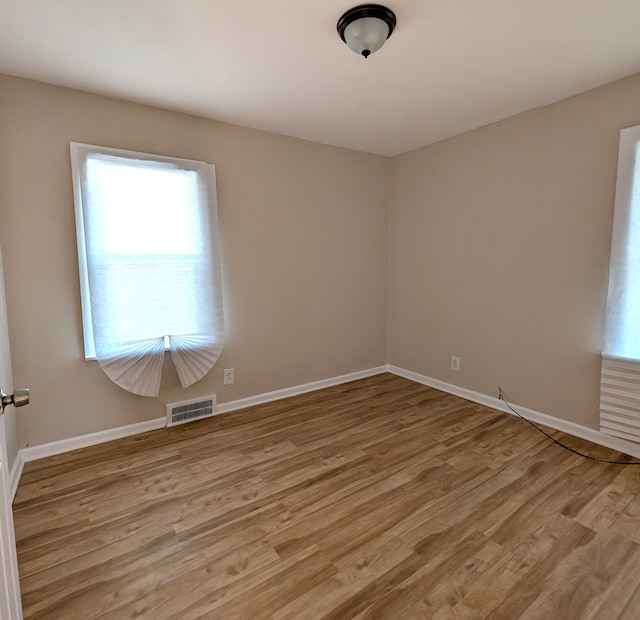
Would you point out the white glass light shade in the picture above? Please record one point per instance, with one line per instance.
(367, 33)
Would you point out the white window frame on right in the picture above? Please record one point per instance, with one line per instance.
(147, 232)
(620, 375)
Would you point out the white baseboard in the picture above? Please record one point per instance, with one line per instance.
(571, 428)
(33, 453)
(295, 390)
(14, 475)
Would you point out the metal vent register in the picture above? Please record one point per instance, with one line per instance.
(189, 410)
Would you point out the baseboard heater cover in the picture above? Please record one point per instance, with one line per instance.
(190, 410)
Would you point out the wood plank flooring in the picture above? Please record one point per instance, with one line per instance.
(379, 498)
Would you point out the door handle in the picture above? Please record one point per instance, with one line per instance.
(19, 398)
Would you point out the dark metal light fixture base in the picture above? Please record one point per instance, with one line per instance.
(376, 11)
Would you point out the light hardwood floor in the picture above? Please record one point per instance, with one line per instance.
(379, 498)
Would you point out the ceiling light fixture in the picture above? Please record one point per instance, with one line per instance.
(365, 28)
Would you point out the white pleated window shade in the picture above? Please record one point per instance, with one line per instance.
(620, 376)
(619, 398)
(149, 268)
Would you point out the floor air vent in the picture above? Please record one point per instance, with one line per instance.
(189, 410)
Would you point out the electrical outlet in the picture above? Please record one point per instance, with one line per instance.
(455, 363)
(229, 376)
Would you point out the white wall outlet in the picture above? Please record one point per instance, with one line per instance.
(229, 376)
(455, 363)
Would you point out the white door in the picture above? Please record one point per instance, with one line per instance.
(10, 605)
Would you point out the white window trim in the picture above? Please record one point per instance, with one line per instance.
(136, 365)
(77, 150)
(87, 327)
(629, 143)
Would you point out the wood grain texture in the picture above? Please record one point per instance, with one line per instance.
(379, 498)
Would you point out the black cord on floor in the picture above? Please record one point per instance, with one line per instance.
(586, 456)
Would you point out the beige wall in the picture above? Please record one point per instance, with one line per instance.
(498, 252)
(304, 230)
(499, 245)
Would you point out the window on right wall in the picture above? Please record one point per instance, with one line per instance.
(620, 376)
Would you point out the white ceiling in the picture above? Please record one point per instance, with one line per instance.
(279, 65)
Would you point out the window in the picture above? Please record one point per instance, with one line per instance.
(623, 305)
(149, 269)
(620, 377)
